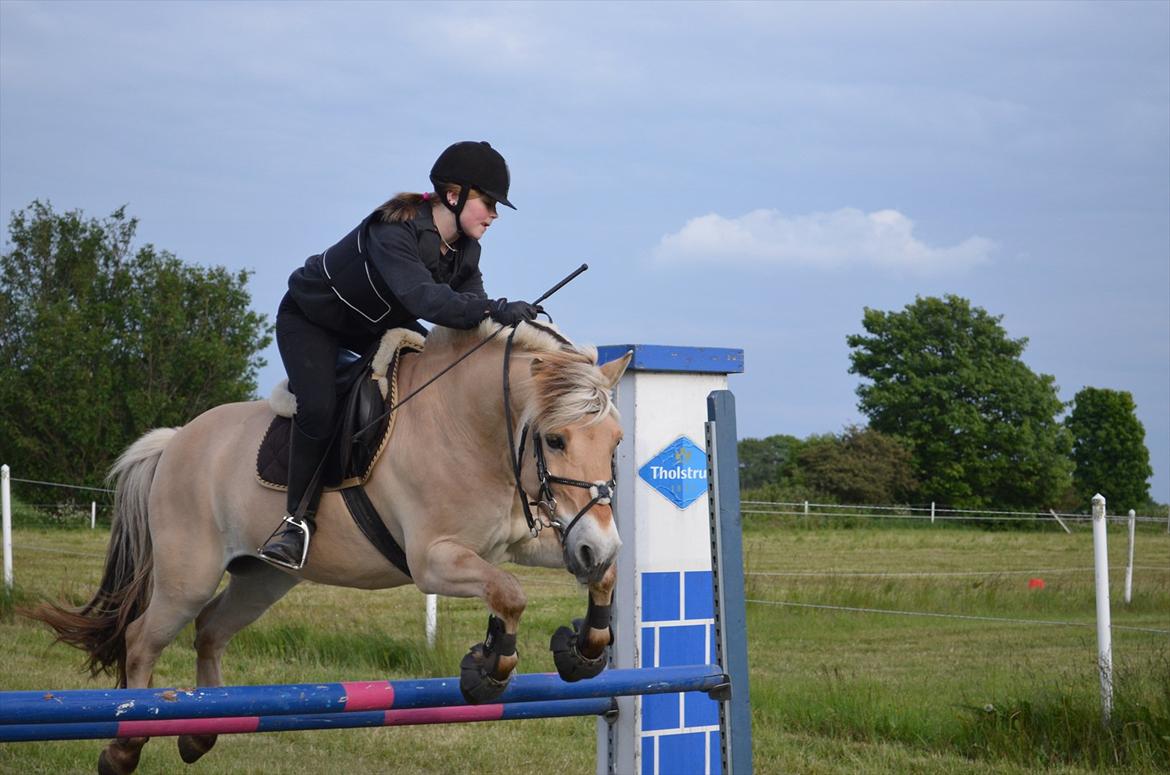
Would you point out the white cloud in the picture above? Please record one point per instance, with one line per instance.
(845, 237)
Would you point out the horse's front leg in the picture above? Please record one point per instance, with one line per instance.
(579, 652)
(456, 571)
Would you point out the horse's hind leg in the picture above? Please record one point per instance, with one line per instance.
(176, 597)
(251, 591)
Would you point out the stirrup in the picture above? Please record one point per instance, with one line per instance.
(298, 524)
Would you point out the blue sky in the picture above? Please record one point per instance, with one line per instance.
(738, 175)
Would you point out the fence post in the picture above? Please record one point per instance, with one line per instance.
(432, 619)
(6, 507)
(806, 508)
(1104, 625)
(1129, 563)
(92, 515)
(932, 512)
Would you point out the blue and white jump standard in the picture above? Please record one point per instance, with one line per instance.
(680, 594)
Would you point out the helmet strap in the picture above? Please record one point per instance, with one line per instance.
(457, 208)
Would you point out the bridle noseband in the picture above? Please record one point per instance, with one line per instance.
(601, 491)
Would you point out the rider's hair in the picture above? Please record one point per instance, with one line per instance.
(407, 205)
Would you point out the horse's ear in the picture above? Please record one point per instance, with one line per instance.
(536, 365)
(614, 370)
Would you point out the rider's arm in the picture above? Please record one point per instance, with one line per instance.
(393, 249)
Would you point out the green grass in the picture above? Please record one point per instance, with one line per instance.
(832, 691)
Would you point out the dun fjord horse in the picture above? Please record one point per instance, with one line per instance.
(453, 488)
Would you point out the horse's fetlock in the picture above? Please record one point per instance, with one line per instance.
(505, 665)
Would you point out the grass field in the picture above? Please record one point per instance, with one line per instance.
(833, 691)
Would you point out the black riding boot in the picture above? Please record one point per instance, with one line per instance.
(288, 546)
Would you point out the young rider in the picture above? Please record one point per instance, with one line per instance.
(414, 258)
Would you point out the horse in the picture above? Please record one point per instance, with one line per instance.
(452, 488)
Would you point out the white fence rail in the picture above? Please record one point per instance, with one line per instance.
(930, 513)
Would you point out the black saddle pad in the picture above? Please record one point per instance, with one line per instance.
(352, 456)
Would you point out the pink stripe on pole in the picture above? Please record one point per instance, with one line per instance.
(454, 714)
(188, 726)
(368, 695)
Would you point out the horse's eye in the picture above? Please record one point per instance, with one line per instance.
(556, 442)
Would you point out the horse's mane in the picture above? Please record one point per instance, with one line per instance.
(568, 385)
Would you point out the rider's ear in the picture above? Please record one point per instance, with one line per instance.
(614, 370)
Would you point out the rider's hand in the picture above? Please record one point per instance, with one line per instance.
(510, 313)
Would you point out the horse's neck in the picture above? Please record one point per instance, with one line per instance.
(471, 395)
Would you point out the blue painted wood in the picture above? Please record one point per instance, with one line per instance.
(727, 536)
(81, 705)
(659, 357)
(19, 733)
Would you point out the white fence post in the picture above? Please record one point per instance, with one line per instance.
(932, 512)
(432, 619)
(1129, 563)
(6, 507)
(92, 515)
(1104, 625)
(806, 508)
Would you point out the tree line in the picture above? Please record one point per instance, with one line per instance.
(957, 418)
(100, 341)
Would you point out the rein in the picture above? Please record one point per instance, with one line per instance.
(601, 492)
(394, 407)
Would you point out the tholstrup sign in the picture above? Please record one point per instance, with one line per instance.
(678, 472)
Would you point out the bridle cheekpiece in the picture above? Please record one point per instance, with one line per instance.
(600, 491)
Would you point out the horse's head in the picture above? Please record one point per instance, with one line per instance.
(576, 430)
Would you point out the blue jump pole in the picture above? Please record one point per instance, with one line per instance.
(18, 733)
(82, 705)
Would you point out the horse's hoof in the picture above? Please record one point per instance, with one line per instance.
(571, 664)
(191, 747)
(109, 765)
(476, 682)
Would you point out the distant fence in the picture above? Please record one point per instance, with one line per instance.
(929, 513)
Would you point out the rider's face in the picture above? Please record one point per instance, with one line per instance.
(478, 214)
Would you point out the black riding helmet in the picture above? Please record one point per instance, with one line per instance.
(469, 165)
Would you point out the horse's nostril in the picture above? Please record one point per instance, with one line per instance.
(586, 557)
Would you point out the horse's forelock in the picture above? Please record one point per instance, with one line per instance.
(569, 388)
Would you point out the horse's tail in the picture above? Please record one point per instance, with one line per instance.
(99, 627)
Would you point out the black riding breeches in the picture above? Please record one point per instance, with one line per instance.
(309, 353)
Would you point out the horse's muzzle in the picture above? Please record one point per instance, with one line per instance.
(590, 553)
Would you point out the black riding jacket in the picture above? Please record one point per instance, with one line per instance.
(390, 275)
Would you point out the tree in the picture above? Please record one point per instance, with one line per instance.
(1109, 448)
(766, 461)
(859, 466)
(99, 344)
(982, 427)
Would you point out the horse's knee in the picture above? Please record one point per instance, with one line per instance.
(506, 598)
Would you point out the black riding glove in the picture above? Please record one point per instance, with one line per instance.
(510, 313)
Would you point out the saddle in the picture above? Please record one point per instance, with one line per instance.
(368, 386)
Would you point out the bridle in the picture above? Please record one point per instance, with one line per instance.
(600, 492)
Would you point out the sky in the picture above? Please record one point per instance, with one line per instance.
(736, 175)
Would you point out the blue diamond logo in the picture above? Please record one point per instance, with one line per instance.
(679, 472)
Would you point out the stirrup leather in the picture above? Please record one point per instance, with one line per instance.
(298, 524)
